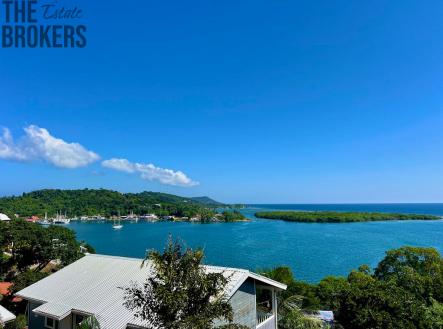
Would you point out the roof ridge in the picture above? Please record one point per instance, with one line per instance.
(141, 259)
(214, 267)
(227, 268)
(115, 257)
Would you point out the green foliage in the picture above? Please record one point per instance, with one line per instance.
(89, 323)
(433, 316)
(25, 279)
(88, 247)
(179, 294)
(404, 291)
(103, 202)
(32, 244)
(207, 201)
(281, 274)
(307, 292)
(20, 322)
(232, 216)
(291, 315)
(417, 270)
(338, 217)
(205, 214)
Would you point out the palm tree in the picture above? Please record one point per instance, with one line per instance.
(291, 315)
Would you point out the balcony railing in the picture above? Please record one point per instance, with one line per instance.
(265, 320)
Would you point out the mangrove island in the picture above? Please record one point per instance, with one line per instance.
(339, 217)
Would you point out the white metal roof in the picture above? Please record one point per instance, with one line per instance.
(91, 285)
(4, 217)
(5, 315)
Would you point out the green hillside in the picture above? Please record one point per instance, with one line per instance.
(104, 202)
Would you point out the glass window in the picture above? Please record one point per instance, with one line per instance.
(51, 323)
(78, 319)
(264, 300)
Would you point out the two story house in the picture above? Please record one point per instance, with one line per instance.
(92, 285)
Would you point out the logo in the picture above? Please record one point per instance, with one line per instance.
(34, 24)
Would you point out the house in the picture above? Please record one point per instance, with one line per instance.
(5, 315)
(4, 217)
(33, 219)
(91, 287)
(5, 291)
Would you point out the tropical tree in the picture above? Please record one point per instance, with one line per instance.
(417, 270)
(291, 316)
(90, 322)
(179, 293)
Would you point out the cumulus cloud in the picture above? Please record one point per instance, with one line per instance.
(39, 144)
(150, 172)
(8, 149)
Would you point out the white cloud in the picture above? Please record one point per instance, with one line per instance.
(39, 144)
(8, 149)
(119, 164)
(150, 172)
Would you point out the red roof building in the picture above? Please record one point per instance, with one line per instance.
(4, 291)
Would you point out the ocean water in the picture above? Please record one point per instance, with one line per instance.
(313, 251)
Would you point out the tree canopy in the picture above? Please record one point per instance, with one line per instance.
(404, 291)
(179, 294)
(339, 217)
(103, 202)
(31, 244)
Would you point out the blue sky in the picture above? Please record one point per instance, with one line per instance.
(257, 101)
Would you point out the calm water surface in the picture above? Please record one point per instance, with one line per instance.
(313, 251)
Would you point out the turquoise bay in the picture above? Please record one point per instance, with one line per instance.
(313, 251)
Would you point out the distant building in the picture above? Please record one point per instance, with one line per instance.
(32, 219)
(4, 217)
(90, 287)
(4, 291)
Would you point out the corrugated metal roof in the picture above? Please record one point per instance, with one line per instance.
(91, 285)
(5, 315)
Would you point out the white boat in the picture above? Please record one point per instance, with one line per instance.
(117, 226)
(61, 219)
(45, 221)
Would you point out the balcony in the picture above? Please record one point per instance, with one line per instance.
(266, 305)
(265, 321)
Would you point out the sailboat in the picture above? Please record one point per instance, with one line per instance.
(45, 221)
(60, 219)
(116, 226)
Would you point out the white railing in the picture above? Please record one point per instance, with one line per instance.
(265, 321)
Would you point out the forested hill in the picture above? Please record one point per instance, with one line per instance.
(207, 201)
(101, 202)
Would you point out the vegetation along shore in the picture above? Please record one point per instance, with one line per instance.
(339, 217)
(106, 204)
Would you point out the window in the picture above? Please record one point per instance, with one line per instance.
(78, 319)
(264, 299)
(51, 323)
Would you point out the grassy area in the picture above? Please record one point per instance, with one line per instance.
(339, 217)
